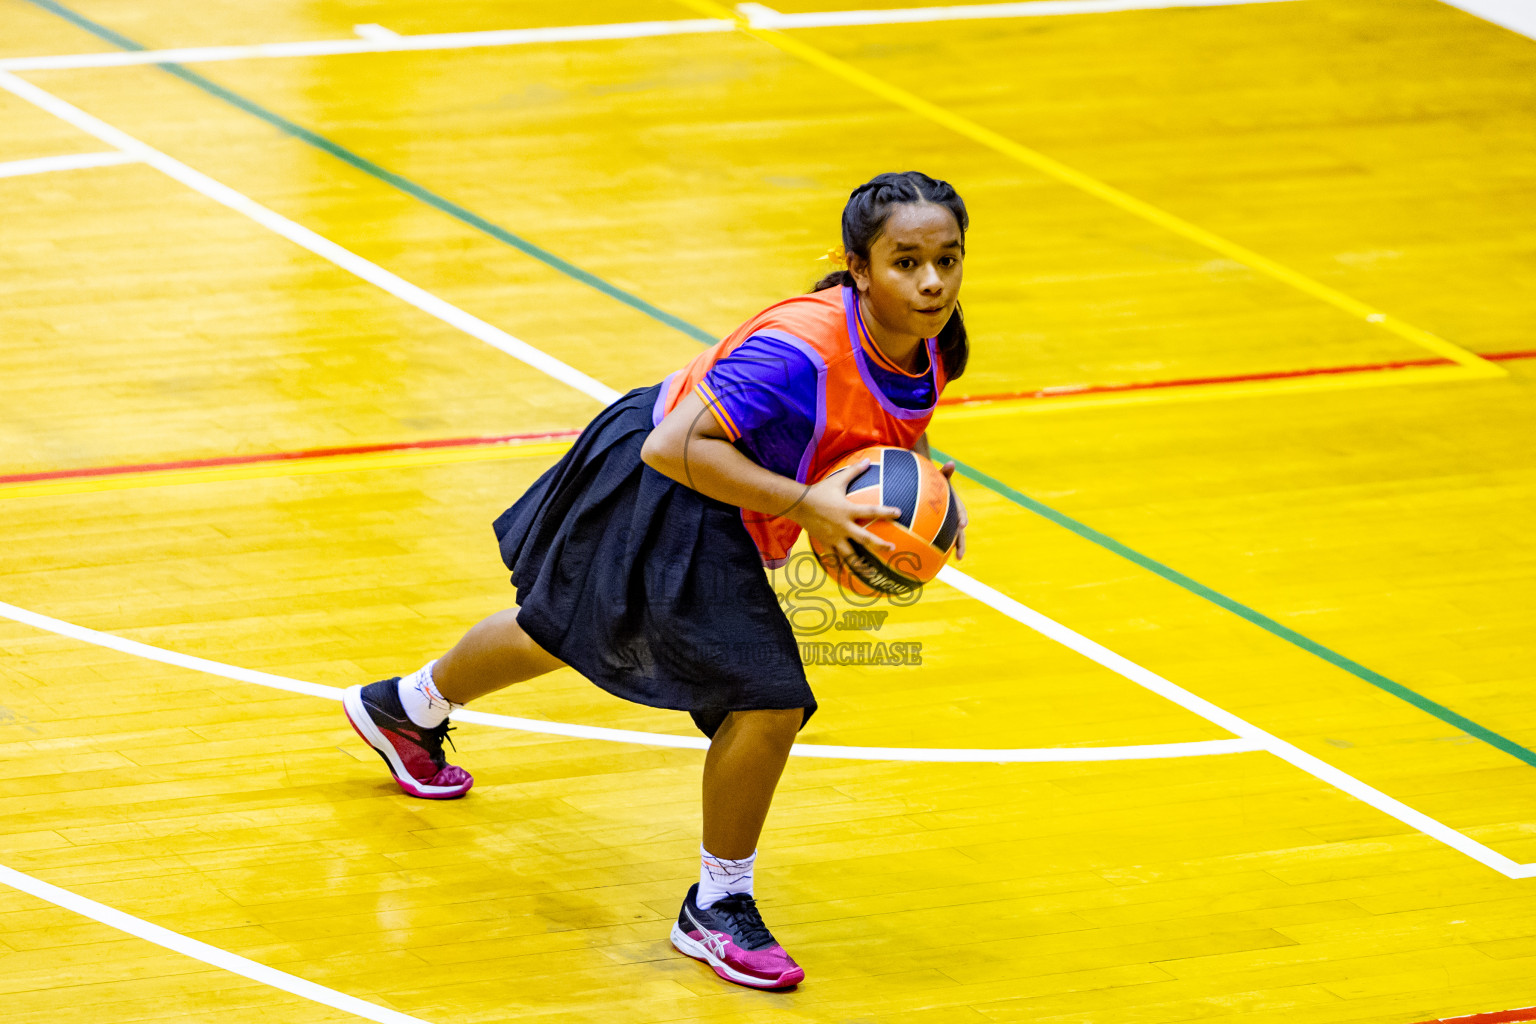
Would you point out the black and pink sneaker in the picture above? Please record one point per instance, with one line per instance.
(731, 937)
(414, 754)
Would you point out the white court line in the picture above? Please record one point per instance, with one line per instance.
(1205, 709)
(375, 32)
(1250, 737)
(210, 955)
(757, 14)
(1515, 15)
(374, 44)
(302, 236)
(478, 328)
(1147, 751)
(71, 162)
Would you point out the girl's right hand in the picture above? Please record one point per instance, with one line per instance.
(833, 521)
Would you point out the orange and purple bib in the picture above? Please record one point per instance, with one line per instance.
(799, 386)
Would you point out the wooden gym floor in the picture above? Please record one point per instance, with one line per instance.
(1227, 716)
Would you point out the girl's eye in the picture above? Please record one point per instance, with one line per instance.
(906, 263)
(947, 261)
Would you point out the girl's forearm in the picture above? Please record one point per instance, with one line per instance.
(713, 467)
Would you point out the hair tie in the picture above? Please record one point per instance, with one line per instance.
(836, 255)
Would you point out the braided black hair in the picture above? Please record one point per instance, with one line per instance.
(869, 207)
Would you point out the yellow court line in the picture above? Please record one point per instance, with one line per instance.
(1204, 392)
(317, 466)
(1475, 365)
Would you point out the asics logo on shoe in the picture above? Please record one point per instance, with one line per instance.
(714, 941)
(396, 723)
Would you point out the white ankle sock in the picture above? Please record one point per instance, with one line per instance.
(719, 878)
(418, 695)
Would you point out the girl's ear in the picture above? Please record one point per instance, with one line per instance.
(858, 266)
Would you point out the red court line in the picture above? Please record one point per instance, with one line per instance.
(1502, 1017)
(1059, 391)
(306, 453)
(1063, 390)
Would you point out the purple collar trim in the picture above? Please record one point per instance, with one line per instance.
(851, 310)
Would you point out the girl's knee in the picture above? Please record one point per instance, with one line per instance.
(782, 723)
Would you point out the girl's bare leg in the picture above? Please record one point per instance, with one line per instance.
(741, 771)
(495, 653)
(715, 924)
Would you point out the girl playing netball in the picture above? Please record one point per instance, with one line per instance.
(637, 559)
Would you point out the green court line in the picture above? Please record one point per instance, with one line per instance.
(390, 178)
(453, 209)
(1259, 619)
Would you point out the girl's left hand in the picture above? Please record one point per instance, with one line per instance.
(948, 469)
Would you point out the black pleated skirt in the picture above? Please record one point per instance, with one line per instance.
(648, 588)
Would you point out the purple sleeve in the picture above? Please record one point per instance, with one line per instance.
(763, 382)
(765, 396)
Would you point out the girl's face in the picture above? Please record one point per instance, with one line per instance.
(911, 280)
